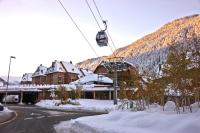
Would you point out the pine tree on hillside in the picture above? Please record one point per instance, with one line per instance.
(195, 71)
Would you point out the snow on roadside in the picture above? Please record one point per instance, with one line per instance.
(85, 105)
(154, 121)
(5, 114)
(5, 110)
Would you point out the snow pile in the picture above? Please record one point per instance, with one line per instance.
(91, 78)
(170, 106)
(85, 105)
(137, 122)
(6, 110)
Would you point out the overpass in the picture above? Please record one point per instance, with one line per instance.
(27, 93)
(34, 93)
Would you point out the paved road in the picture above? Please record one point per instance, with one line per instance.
(32, 119)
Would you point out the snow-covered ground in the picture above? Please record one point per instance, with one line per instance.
(153, 120)
(85, 105)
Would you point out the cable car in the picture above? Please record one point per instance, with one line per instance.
(101, 37)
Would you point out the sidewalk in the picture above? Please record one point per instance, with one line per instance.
(6, 115)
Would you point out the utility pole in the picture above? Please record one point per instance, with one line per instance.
(11, 57)
(115, 84)
(115, 64)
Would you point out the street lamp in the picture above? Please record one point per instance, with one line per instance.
(11, 57)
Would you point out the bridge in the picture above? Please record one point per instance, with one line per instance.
(27, 93)
(34, 93)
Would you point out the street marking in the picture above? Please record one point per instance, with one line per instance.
(35, 114)
(9, 120)
(40, 117)
(29, 118)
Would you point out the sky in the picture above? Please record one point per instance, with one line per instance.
(39, 31)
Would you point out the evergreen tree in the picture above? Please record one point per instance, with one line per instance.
(176, 71)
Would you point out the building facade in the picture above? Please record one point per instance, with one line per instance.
(39, 76)
(26, 79)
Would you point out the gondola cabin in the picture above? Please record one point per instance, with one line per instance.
(102, 38)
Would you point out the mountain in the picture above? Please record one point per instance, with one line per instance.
(90, 64)
(151, 50)
(13, 80)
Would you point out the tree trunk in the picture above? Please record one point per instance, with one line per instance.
(183, 105)
(189, 104)
(198, 98)
(177, 106)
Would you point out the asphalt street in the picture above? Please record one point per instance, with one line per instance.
(32, 119)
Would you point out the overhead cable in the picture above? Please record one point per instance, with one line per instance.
(78, 27)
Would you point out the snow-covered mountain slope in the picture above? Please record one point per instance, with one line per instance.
(90, 64)
(151, 50)
(13, 80)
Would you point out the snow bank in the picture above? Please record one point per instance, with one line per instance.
(156, 121)
(170, 106)
(85, 105)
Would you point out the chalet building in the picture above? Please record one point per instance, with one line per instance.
(26, 79)
(39, 77)
(123, 72)
(61, 72)
(95, 86)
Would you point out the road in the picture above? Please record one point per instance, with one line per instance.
(32, 119)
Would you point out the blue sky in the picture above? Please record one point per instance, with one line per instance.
(39, 31)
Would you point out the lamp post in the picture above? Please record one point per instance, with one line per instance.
(11, 57)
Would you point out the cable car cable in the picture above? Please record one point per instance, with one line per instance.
(93, 14)
(78, 27)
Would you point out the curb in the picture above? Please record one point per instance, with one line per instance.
(12, 116)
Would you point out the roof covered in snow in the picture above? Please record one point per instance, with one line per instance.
(69, 67)
(55, 67)
(62, 66)
(86, 72)
(41, 70)
(94, 78)
(27, 77)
